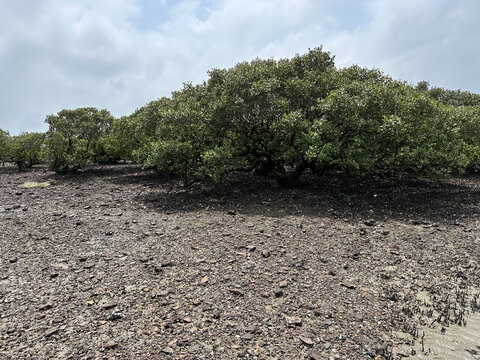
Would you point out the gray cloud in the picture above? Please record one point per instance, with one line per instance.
(417, 40)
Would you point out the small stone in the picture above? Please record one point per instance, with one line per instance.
(167, 263)
(332, 273)
(247, 336)
(250, 329)
(278, 293)
(13, 260)
(88, 265)
(164, 293)
(348, 285)
(114, 315)
(231, 212)
(296, 321)
(306, 340)
(266, 254)
(46, 306)
(109, 305)
(109, 233)
(370, 222)
(50, 332)
(111, 345)
(316, 355)
(327, 345)
(251, 248)
(235, 291)
(143, 259)
(53, 275)
(167, 350)
(283, 284)
(204, 280)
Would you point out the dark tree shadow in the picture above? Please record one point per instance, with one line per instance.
(448, 201)
(350, 198)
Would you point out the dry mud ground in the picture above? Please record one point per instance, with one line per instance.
(114, 263)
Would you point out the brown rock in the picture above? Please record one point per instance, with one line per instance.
(247, 336)
(306, 340)
(167, 350)
(109, 305)
(111, 345)
(348, 285)
(52, 331)
(296, 321)
(46, 306)
(235, 291)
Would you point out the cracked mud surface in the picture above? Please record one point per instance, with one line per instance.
(115, 263)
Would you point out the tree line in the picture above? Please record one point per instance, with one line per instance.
(277, 118)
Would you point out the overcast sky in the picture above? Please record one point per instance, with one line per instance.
(121, 54)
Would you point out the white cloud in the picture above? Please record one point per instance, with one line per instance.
(417, 40)
(114, 54)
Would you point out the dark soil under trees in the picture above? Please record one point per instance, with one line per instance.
(115, 263)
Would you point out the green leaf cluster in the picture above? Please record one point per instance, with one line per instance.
(280, 118)
(277, 118)
(75, 137)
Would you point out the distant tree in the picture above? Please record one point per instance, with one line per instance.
(26, 149)
(121, 140)
(73, 138)
(422, 86)
(4, 146)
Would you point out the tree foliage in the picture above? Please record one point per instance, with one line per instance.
(4, 146)
(279, 118)
(26, 149)
(74, 138)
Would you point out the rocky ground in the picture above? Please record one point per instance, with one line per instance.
(114, 263)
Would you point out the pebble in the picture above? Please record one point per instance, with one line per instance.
(50, 332)
(236, 292)
(111, 345)
(348, 285)
(306, 340)
(278, 293)
(247, 336)
(109, 305)
(167, 350)
(46, 306)
(114, 315)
